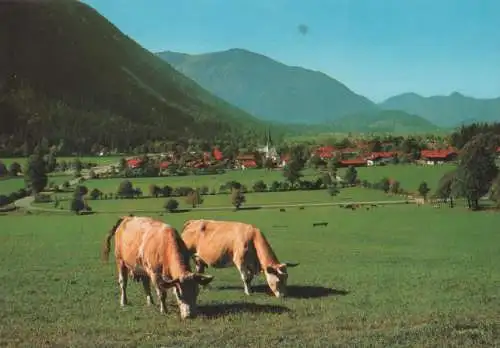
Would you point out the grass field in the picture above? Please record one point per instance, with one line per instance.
(93, 159)
(410, 177)
(224, 200)
(390, 276)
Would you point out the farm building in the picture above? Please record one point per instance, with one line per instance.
(432, 157)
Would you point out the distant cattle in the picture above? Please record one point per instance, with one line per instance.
(320, 224)
(153, 252)
(222, 244)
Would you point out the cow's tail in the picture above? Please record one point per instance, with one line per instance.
(107, 242)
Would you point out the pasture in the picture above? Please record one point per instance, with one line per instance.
(390, 276)
(409, 176)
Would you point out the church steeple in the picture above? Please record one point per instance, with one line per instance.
(269, 141)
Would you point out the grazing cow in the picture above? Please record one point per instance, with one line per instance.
(222, 244)
(153, 252)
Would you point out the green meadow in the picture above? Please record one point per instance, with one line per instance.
(389, 276)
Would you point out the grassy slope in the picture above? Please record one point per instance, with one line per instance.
(87, 68)
(385, 121)
(408, 285)
(270, 89)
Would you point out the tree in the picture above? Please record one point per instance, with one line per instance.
(259, 186)
(351, 175)
(194, 198)
(444, 188)
(332, 189)
(3, 169)
(36, 173)
(126, 189)
(78, 203)
(77, 167)
(237, 197)
(154, 190)
(395, 187)
(167, 191)
(95, 194)
(51, 162)
(385, 184)
(376, 146)
(171, 205)
(14, 169)
(332, 166)
(326, 180)
(423, 189)
(476, 169)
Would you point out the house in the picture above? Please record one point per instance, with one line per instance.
(134, 163)
(325, 152)
(217, 154)
(438, 156)
(355, 162)
(382, 157)
(246, 161)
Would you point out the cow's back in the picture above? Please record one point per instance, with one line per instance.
(216, 242)
(139, 240)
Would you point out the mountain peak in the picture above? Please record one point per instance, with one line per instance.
(270, 89)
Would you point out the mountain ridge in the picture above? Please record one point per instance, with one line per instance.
(89, 77)
(268, 88)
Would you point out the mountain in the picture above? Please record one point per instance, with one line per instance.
(269, 89)
(384, 121)
(447, 111)
(69, 75)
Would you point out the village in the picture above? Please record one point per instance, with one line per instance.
(268, 157)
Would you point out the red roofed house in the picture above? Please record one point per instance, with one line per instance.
(440, 156)
(246, 161)
(325, 152)
(380, 157)
(134, 163)
(164, 165)
(356, 162)
(218, 154)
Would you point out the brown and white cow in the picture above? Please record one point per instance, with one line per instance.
(222, 244)
(153, 252)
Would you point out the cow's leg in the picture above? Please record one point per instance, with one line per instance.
(146, 283)
(246, 276)
(122, 281)
(162, 295)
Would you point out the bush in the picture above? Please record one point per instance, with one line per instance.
(171, 205)
(95, 194)
(259, 186)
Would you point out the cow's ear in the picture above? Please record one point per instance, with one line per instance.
(203, 279)
(168, 283)
(291, 264)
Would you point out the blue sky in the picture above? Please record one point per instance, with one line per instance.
(378, 48)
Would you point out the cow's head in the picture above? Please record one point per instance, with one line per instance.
(277, 276)
(186, 289)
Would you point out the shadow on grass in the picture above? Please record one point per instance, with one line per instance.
(248, 208)
(223, 309)
(294, 291)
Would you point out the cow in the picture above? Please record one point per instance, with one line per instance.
(153, 252)
(222, 244)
